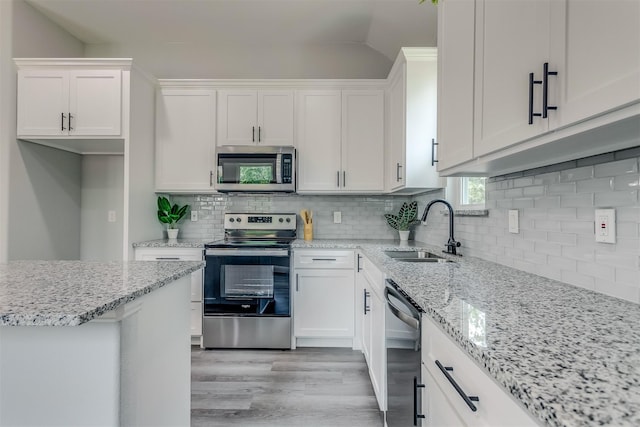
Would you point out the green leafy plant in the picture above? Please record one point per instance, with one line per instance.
(168, 214)
(432, 1)
(407, 216)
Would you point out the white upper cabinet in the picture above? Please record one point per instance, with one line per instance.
(554, 80)
(64, 102)
(411, 146)
(340, 141)
(363, 140)
(512, 41)
(255, 117)
(185, 139)
(455, 81)
(596, 51)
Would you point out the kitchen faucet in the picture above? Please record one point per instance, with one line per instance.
(451, 244)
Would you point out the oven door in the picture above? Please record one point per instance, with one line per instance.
(247, 282)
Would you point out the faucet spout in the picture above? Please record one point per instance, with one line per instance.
(452, 244)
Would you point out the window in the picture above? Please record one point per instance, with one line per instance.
(467, 193)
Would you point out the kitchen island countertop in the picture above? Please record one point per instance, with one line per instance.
(70, 293)
(570, 355)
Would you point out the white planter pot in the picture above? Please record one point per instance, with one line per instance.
(172, 233)
(404, 235)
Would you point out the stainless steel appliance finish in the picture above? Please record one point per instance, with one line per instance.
(402, 341)
(241, 168)
(247, 289)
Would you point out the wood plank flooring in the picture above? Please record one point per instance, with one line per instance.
(310, 387)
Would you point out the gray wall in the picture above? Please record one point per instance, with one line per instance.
(7, 118)
(44, 184)
(177, 61)
(102, 190)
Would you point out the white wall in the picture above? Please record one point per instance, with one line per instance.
(44, 184)
(187, 61)
(102, 191)
(7, 118)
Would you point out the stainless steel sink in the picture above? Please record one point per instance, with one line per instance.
(415, 256)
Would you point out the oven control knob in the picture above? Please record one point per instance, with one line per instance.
(231, 219)
(238, 219)
(281, 220)
(288, 219)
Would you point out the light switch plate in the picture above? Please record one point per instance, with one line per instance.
(514, 226)
(337, 217)
(111, 216)
(194, 216)
(605, 225)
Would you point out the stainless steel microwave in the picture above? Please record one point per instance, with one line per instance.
(256, 169)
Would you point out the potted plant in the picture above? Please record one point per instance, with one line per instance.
(170, 215)
(406, 217)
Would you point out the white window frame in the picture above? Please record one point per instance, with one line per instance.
(454, 189)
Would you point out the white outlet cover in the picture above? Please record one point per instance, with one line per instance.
(194, 215)
(605, 229)
(337, 217)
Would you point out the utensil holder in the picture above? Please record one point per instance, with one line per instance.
(308, 232)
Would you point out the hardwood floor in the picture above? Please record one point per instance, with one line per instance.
(309, 387)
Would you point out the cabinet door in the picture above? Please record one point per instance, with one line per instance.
(275, 117)
(512, 40)
(436, 408)
(456, 23)
(319, 132)
(185, 135)
(378, 353)
(237, 117)
(95, 102)
(324, 303)
(395, 149)
(598, 70)
(363, 140)
(43, 102)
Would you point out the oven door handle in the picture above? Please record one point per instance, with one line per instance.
(247, 252)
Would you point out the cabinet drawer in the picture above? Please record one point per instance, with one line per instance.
(320, 259)
(495, 407)
(168, 254)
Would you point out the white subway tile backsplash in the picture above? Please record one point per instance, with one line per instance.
(547, 202)
(546, 225)
(616, 198)
(594, 270)
(577, 279)
(617, 259)
(549, 248)
(562, 213)
(576, 200)
(578, 253)
(620, 167)
(578, 227)
(618, 290)
(534, 190)
(595, 185)
(565, 188)
(547, 178)
(626, 182)
(562, 238)
(576, 174)
(563, 263)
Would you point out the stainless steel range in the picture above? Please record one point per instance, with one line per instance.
(247, 290)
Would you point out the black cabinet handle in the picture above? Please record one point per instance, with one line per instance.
(344, 178)
(297, 286)
(398, 166)
(366, 307)
(253, 134)
(338, 178)
(545, 90)
(358, 269)
(416, 415)
(467, 399)
(70, 117)
(62, 121)
(532, 82)
(433, 152)
(259, 133)
(210, 178)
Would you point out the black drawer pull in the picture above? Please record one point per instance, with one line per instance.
(62, 122)
(323, 259)
(433, 152)
(532, 82)
(366, 307)
(416, 415)
(545, 90)
(467, 399)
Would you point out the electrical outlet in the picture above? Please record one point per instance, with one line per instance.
(514, 226)
(606, 225)
(337, 217)
(194, 216)
(111, 216)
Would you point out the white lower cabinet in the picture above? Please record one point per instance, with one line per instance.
(182, 254)
(444, 406)
(323, 298)
(371, 317)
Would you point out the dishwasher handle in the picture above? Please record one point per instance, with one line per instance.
(412, 321)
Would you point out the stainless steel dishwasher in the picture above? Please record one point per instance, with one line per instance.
(402, 342)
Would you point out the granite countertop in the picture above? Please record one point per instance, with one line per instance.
(70, 293)
(570, 355)
(172, 243)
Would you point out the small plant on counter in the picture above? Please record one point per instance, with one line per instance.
(407, 217)
(168, 214)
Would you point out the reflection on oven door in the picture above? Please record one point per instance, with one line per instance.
(247, 281)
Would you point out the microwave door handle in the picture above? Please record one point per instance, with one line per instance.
(279, 168)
